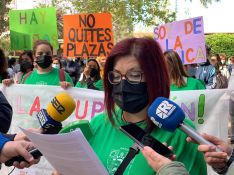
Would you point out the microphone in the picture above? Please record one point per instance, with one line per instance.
(168, 115)
(83, 125)
(58, 110)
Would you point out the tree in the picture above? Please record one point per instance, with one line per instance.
(221, 43)
(4, 9)
(205, 3)
(125, 13)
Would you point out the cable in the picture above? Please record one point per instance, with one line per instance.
(12, 171)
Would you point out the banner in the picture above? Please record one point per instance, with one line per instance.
(186, 37)
(208, 109)
(88, 35)
(28, 26)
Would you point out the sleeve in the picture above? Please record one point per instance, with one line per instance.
(3, 141)
(68, 78)
(175, 168)
(5, 114)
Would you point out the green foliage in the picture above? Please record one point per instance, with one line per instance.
(4, 21)
(221, 43)
(205, 3)
(125, 13)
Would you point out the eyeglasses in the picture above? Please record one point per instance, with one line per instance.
(133, 77)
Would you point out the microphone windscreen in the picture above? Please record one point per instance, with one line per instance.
(61, 107)
(166, 114)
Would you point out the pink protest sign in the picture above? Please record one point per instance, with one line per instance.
(186, 37)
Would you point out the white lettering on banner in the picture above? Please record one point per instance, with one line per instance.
(165, 109)
(214, 110)
(156, 122)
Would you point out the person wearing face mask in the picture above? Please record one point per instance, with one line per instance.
(91, 76)
(26, 66)
(178, 77)
(45, 74)
(135, 75)
(56, 63)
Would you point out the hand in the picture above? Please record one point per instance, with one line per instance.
(55, 172)
(87, 71)
(16, 148)
(22, 136)
(212, 157)
(65, 84)
(8, 82)
(155, 160)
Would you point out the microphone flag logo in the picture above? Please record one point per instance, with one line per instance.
(164, 109)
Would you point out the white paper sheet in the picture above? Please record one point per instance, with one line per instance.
(68, 153)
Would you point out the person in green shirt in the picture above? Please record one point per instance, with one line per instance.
(178, 77)
(45, 74)
(91, 76)
(135, 75)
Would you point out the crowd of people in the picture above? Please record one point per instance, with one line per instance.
(129, 90)
(40, 66)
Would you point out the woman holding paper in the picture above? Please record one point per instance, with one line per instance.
(135, 74)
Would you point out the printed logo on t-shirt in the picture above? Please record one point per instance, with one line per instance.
(115, 158)
(41, 83)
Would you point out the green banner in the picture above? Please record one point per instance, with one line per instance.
(27, 26)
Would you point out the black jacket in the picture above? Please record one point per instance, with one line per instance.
(5, 114)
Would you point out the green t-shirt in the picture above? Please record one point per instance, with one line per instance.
(98, 84)
(111, 146)
(50, 78)
(192, 84)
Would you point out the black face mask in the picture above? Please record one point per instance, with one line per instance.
(93, 72)
(25, 65)
(130, 97)
(44, 61)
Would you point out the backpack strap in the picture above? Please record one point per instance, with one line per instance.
(62, 75)
(26, 76)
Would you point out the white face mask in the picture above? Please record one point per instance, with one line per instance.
(222, 61)
(56, 66)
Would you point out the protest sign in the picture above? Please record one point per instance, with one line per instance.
(186, 37)
(88, 35)
(27, 26)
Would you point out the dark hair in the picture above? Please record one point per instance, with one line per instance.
(175, 68)
(40, 42)
(3, 65)
(30, 55)
(11, 62)
(150, 58)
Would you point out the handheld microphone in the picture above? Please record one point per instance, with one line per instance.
(168, 115)
(83, 125)
(58, 110)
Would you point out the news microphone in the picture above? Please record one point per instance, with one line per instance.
(58, 110)
(83, 125)
(168, 115)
